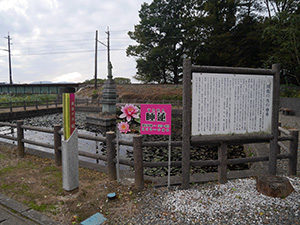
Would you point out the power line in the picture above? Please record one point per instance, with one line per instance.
(65, 52)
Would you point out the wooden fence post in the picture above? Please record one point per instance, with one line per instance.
(279, 133)
(292, 165)
(138, 162)
(57, 145)
(186, 123)
(10, 106)
(25, 105)
(274, 148)
(20, 136)
(111, 155)
(222, 168)
(36, 104)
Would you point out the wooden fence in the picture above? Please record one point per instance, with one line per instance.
(291, 150)
(26, 105)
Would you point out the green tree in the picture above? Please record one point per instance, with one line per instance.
(217, 46)
(245, 33)
(283, 32)
(122, 80)
(161, 36)
(248, 46)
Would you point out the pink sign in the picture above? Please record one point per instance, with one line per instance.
(156, 119)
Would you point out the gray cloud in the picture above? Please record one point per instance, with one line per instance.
(54, 39)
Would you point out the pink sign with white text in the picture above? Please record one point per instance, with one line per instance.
(156, 119)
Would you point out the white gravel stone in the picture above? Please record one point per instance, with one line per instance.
(236, 200)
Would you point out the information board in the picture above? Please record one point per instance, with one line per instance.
(229, 103)
(156, 119)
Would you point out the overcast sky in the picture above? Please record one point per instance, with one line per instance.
(54, 40)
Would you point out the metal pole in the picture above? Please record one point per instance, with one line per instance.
(109, 65)
(9, 59)
(96, 60)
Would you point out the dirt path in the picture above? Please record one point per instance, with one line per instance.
(37, 183)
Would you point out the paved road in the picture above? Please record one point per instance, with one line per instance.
(15, 213)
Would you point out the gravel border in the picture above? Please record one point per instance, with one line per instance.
(236, 202)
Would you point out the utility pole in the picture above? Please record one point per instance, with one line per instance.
(9, 59)
(109, 65)
(109, 93)
(96, 51)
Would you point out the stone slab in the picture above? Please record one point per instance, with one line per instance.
(41, 218)
(12, 204)
(95, 219)
(9, 218)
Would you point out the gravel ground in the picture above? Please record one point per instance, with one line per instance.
(236, 202)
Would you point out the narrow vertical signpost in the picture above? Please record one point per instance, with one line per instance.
(156, 120)
(68, 114)
(69, 144)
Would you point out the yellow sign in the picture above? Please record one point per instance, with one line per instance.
(68, 114)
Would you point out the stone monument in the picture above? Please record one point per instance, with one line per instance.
(109, 94)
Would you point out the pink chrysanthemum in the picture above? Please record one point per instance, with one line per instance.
(123, 127)
(129, 111)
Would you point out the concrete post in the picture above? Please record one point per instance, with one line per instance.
(70, 165)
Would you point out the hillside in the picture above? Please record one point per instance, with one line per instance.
(140, 91)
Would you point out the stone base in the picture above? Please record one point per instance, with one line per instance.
(105, 122)
(274, 186)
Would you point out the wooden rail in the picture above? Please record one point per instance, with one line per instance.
(222, 162)
(28, 105)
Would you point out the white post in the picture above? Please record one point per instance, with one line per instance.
(70, 165)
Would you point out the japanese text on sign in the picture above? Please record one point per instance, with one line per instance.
(68, 114)
(156, 119)
(228, 103)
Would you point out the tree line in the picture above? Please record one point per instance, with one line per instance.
(237, 33)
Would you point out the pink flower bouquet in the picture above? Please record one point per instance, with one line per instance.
(129, 118)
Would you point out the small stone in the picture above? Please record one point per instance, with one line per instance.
(274, 186)
(111, 196)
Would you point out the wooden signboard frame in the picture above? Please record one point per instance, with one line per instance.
(221, 140)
